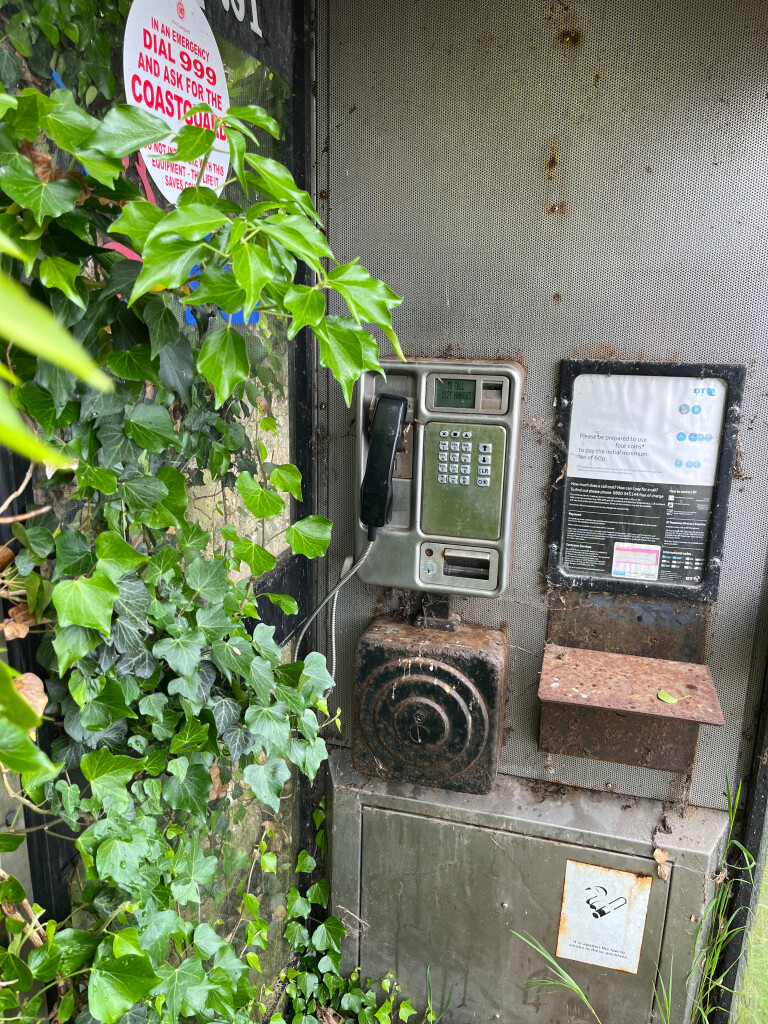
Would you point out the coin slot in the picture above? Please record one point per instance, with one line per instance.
(492, 396)
(475, 565)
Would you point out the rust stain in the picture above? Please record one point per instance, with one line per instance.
(570, 37)
(557, 298)
(557, 208)
(553, 160)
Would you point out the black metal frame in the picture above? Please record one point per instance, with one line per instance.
(570, 369)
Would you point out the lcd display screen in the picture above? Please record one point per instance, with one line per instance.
(455, 394)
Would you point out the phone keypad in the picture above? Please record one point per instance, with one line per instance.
(470, 472)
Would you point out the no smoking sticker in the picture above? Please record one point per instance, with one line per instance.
(170, 64)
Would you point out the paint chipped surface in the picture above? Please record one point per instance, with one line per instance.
(602, 920)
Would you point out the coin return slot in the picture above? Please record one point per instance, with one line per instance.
(492, 397)
(475, 565)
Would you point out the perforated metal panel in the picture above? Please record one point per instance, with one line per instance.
(542, 181)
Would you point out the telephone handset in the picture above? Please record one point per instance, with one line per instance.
(437, 456)
(386, 432)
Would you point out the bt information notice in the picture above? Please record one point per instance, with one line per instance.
(642, 464)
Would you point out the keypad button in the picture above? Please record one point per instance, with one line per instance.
(454, 446)
(466, 458)
(442, 456)
(465, 481)
(443, 446)
(467, 433)
(455, 433)
(466, 446)
(485, 448)
(453, 479)
(442, 478)
(484, 460)
(483, 481)
(483, 470)
(465, 469)
(454, 456)
(443, 433)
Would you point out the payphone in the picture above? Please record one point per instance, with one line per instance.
(437, 460)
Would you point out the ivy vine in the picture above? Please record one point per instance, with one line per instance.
(167, 700)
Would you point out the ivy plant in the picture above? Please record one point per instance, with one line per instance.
(172, 708)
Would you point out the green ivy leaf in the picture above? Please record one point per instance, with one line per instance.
(134, 364)
(142, 493)
(19, 753)
(116, 557)
(73, 643)
(406, 1010)
(192, 221)
(115, 985)
(267, 780)
(296, 904)
(287, 478)
(270, 725)
(369, 300)
(286, 604)
(56, 272)
(208, 578)
(310, 536)
(182, 653)
(86, 602)
(126, 129)
(136, 222)
(328, 934)
(299, 236)
(184, 988)
(319, 893)
(262, 503)
(257, 558)
(305, 864)
(346, 350)
(109, 775)
(223, 360)
(94, 478)
(191, 793)
(307, 305)
(192, 869)
(67, 124)
(44, 199)
(252, 269)
(256, 115)
(218, 286)
(151, 427)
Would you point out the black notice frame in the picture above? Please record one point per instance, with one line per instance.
(734, 376)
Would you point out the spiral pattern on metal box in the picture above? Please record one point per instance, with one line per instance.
(423, 714)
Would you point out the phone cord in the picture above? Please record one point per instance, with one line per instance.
(329, 597)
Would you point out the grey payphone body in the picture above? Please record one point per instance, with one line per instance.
(455, 475)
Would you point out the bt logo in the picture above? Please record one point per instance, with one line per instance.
(704, 391)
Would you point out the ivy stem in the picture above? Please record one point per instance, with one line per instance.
(22, 799)
(256, 856)
(203, 166)
(248, 588)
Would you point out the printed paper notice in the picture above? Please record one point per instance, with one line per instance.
(642, 463)
(602, 920)
(171, 63)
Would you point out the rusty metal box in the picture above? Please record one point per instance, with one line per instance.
(607, 706)
(429, 705)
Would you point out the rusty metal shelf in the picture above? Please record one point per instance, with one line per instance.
(606, 707)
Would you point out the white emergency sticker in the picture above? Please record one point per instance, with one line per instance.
(602, 920)
(171, 63)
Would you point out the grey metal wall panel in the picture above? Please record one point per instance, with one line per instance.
(436, 128)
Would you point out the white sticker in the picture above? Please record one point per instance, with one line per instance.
(602, 921)
(646, 429)
(636, 561)
(170, 64)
